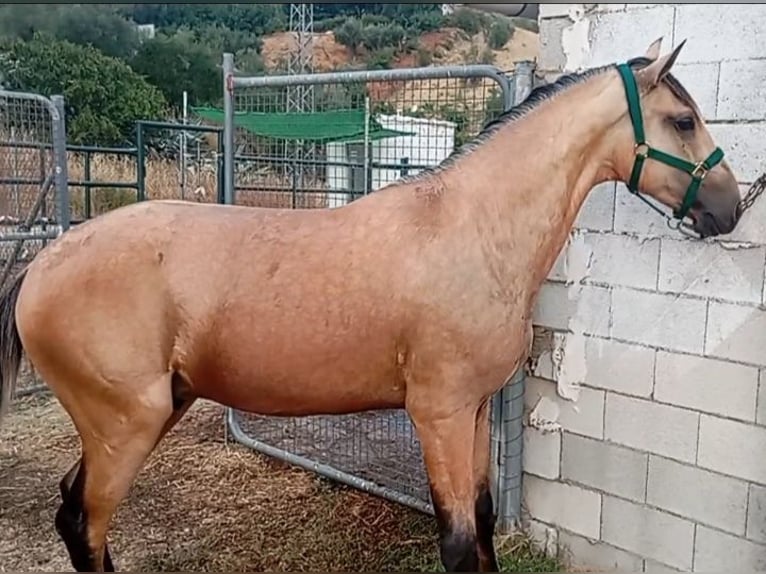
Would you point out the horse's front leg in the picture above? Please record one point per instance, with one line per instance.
(484, 507)
(446, 432)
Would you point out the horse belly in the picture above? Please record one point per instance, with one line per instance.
(302, 379)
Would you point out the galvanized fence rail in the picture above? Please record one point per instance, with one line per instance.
(34, 199)
(321, 141)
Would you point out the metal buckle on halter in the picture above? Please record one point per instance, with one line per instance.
(642, 149)
(700, 171)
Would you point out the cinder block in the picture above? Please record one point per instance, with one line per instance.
(564, 505)
(604, 466)
(760, 411)
(610, 252)
(651, 427)
(558, 271)
(669, 321)
(743, 145)
(716, 32)
(707, 385)
(621, 367)
(619, 36)
(737, 333)
(710, 270)
(553, 11)
(700, 495)
(560, 306)
(752, 225)
(552, 56)
(742, 91)
(657, 568)
(597, 212)
(649, 533)
(583, 555)
(701, 81)
(756, 514)
(633, 216)
(541, 453)
(608, 7)
(715, 551)
(731, 448)
(584, 416)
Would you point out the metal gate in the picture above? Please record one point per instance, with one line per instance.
(321, 141)
(34, 200)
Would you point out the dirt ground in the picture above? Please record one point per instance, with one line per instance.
(202, 504)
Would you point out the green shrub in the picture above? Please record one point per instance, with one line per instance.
(500, 32)
(470, 21)
(349, 34)
(381, 59)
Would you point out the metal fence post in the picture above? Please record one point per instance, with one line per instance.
(228, 128)
(140, 162)
(508, 421)
(60, 160)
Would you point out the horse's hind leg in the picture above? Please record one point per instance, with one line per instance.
(116, 441)
(71, 521)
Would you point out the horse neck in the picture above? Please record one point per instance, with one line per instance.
(525, 185)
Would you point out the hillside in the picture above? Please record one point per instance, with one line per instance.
(446, 46)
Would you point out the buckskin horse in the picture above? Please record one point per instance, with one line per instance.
(132, 316)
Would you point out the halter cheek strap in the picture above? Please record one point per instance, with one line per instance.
(643, 151)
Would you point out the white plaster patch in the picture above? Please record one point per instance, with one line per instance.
(545, 416)
(575, 39)
(578, 258)
(571, 368)
(568, 354)
(734, 245)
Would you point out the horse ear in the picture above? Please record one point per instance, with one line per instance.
(657, 70)
(653, 51)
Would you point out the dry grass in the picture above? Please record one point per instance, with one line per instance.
(201, 504)
(163, 181)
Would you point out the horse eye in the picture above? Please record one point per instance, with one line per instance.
(685, 124)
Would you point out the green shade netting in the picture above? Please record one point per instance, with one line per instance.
(329, 126)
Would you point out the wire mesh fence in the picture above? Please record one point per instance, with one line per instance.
(358, 132)
(32, 185)
(353, 138)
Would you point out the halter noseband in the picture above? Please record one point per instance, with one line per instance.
(643, 151)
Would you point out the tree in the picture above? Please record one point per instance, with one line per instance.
(177, 62)
(85, 24)
(377, 36)
(350, 33)
(104, 96)
(255, 19)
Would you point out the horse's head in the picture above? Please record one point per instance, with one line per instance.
(666, 150)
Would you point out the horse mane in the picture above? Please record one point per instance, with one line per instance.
(539, 95)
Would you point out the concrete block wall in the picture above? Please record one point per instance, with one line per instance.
(645, 407)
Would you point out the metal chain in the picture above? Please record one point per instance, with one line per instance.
(753, 193)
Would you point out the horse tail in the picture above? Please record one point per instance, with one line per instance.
(11, 348)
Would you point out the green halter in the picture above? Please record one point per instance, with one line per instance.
(643, 150)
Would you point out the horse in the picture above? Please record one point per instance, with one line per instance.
(134, 315)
